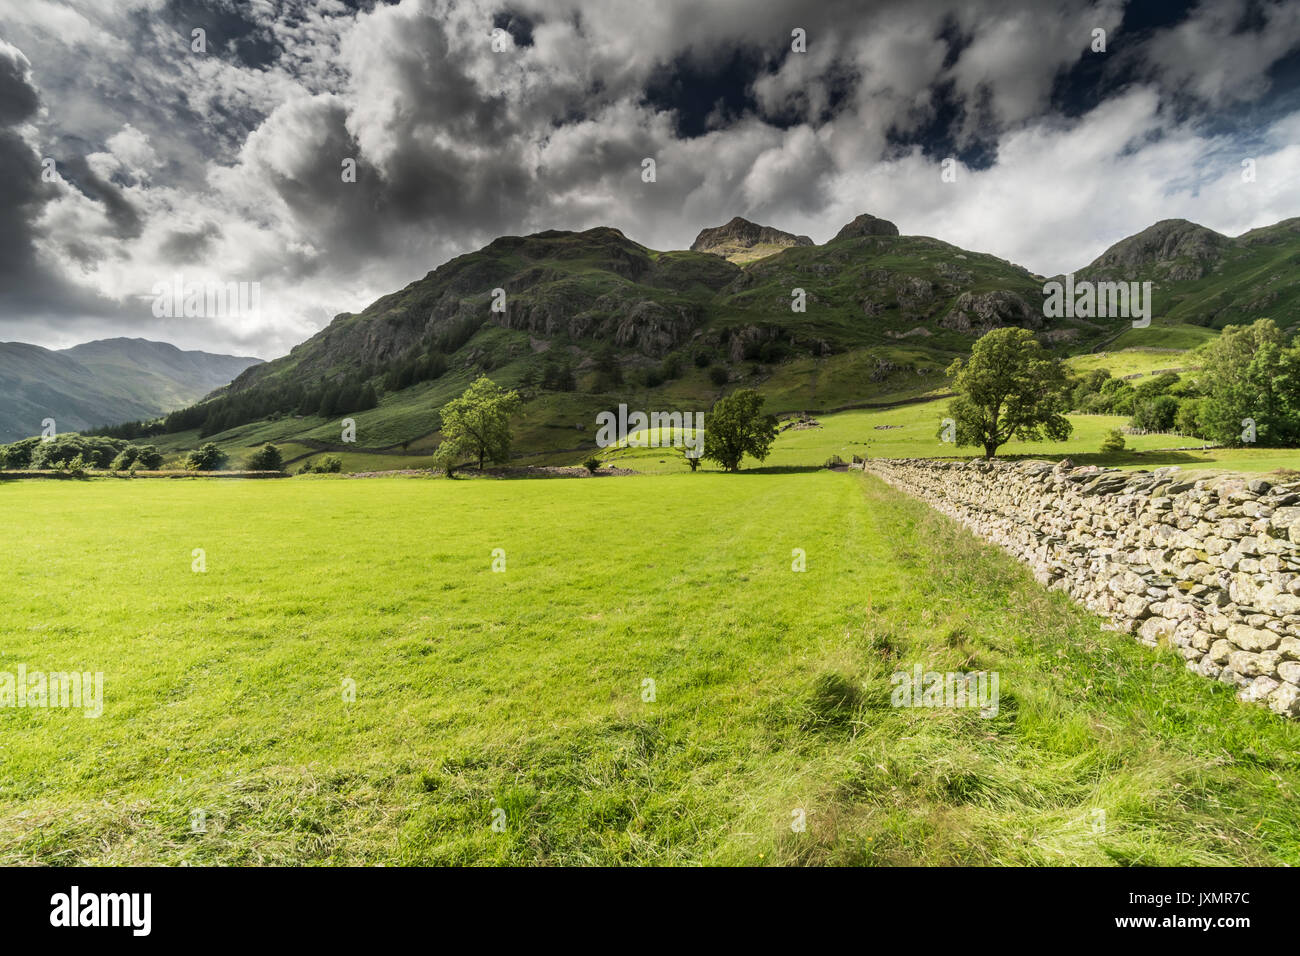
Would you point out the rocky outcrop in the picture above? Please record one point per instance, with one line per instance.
(646, 326)
(978, 312)
(866, 225)
(1209, 566)
(741, 235)
(1173, 249)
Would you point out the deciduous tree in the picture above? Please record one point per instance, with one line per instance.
(479, 421)
(1010, 387)
(737, 427)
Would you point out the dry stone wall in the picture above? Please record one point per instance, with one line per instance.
(1209, 565)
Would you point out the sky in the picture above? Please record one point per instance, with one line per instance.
(136, 153)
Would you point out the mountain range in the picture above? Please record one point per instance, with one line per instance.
(733, 293)
(103, 382)
(574, 317)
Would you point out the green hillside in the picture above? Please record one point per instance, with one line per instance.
(1202, 278)
(581, 321)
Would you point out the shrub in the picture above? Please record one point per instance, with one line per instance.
(328, 465)
(125, 459)
(266, 458)
(719, 375)
(592, 464)
(149, 457)
(833, 462)
(206, 458)
(94, 451)
(1113, 442)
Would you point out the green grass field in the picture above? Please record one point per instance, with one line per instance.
(912, 431)
(1133, 361)
(524, 691)
(558, 428)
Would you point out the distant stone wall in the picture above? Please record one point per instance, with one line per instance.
(1210, 566)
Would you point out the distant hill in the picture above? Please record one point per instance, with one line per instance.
(103, 382)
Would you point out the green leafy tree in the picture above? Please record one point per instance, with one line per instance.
(1084, 390)
(1009, 388)
(206, 458)
(1115, 397)
(19, 454)
(447, 456)
(1113, 442)
(1156, 414)
(479, 421)
(1250, 373)
(737, 427)
(1188, 419)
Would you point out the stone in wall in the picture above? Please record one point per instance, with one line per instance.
(1207, 565)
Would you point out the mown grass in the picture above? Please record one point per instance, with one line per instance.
(523, 690)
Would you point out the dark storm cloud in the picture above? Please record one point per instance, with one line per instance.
(118, 209)
(23, 282)
(21, 190)
(18, 99)
(518, 26)
(232, 160)
(186, 247)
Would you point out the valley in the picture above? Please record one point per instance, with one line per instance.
(589, 320)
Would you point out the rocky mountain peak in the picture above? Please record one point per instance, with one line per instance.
(1172, 248)
(741, 240)
(866, 225)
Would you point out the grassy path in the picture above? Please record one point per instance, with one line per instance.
(525, 691)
